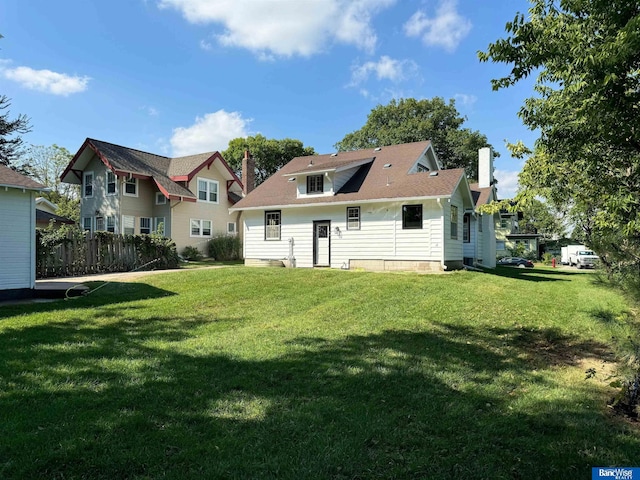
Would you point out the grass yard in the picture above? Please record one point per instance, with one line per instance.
(316, 374)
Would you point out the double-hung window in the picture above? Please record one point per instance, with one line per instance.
(272, 225)
(411, 217)
(200, 228)
(111, 224)
(87, 223)
(207, 190)
(111, 183)
(145, 225)
(466, 228)
(158, 225)
(99, 224)
(315, 183)
(353, 218)
(131, 187)
(87, 185)
(128, 224)
(160, 198)
(454, 222)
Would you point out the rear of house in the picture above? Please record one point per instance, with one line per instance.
(17, 223)
(389, 208)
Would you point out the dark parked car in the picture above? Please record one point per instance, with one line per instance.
(516, 262)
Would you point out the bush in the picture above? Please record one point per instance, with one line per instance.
(225, 247)
(546, 258)
(191, 253)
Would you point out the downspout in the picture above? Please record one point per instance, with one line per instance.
(442, 264)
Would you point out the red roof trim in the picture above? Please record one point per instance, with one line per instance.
(207, 163)
(184, 199)
(74, 159)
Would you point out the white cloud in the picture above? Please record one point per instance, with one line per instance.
(46, 80)
(285, 27)
(507, 183)
(464, 99)
(209, 133)
(386, 68)
(446, 29)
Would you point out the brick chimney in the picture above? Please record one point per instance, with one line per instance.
(485, 167)
(248, 173)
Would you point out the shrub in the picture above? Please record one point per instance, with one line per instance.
(546, 258)
(225, 247)
(191, 253)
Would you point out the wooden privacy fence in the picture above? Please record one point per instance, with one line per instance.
(77, 253)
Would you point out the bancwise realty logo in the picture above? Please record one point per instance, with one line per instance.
(615, 473)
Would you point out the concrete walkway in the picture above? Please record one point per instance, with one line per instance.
(56, 288)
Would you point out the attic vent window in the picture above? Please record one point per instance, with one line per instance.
(387, 165)
(377, 149)
(422, 168)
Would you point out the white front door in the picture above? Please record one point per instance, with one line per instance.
(321, 248)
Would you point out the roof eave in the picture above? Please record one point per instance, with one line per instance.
(341, 202)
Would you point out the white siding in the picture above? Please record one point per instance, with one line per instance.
(17, 224)
(380, 237)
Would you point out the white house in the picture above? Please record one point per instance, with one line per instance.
(388, 208)
(17, 231)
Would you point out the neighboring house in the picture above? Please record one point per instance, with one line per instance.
(510, 240)
(18, 223)
(132, 192)
(388, 208)
(46, 214)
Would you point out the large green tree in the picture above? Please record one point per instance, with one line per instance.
(586, 54)
(410, 120)
(45, 164)
(269, 154)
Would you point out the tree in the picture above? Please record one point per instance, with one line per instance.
(587, 55)
(46, 164)
(410, 120)
(540, 217)
(10, 130)
(269, 154)
(587, 159)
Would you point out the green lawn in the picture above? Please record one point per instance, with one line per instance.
(314, 374)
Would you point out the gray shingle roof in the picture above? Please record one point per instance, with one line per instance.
(370, 182)
(166, 172)
(11, 178)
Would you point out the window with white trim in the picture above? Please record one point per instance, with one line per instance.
(145, 225)
(466, 228)
(272, 225)
(111, 224)
(454, 222)
(231, 228)
(353, 218)
(158, 225)
(128, 224)
(111, 183)
(200, 228)
(207, 190)
(87, 185)
(87, 223)
(160, 198)
(99, 224)
(315, 183)
(131, 187)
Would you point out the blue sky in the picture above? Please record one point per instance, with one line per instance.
(176, 77)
